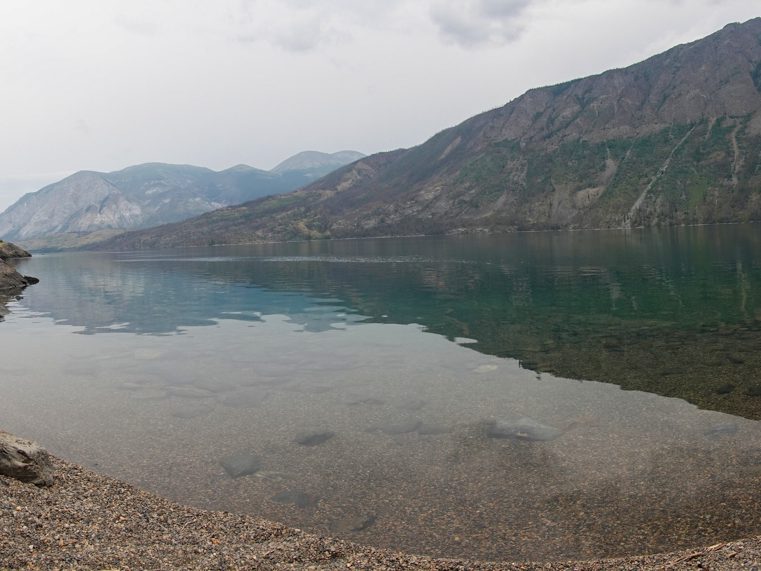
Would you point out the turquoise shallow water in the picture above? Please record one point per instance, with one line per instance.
(459, 396)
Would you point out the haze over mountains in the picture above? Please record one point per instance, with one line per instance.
(88, 206)
(674, 139)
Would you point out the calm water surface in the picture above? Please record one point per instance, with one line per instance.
(533, 396)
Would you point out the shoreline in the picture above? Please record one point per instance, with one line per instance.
(90, 521)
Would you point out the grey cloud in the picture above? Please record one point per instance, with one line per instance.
(137, 26)
(292, 25)
(305, 25)
(477, 22)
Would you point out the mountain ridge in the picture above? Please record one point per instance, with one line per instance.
(78, 207)
(673, 139)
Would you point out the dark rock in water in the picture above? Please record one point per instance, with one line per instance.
(735, 359)
(242, 464)
(398, 427)
(725, 389)
(314, 438)
(24, 460)
(522, 429)
(753, 391)
(353, 523)
(722, 429)
(297, 498)
(30, 280)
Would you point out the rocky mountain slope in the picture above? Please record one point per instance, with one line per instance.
(674, 139)
(69, 211)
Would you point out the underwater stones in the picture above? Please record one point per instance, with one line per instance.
(722, 429)
(403, 427)
(297, 498)
(314, 438)
(753, 391)
(354, 524)
(241, 464)
(24, 460)
(363, 398)
(724, 389)
(522, 429)
(192, 410)
(433, 429)
(146, 354)
(189, 392)
(413, 404)
(244, 398)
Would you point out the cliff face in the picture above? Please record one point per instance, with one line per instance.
(674, 139)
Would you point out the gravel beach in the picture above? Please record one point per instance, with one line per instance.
(90, 521)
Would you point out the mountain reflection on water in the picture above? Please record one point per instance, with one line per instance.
(673, 312)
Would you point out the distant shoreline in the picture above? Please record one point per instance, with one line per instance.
(90, 521)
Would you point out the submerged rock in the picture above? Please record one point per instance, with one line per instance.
(433, 429)
(244, 398)
(363, 398)
(353, 523)
(242, 464)
(24, 460)
(314, 438)
(193, 410)
(522, 429)
(398, 427)
(299, 499)
(722, 429)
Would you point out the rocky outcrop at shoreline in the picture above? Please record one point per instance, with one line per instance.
(11, 281)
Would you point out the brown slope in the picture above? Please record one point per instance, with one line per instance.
(674, 139)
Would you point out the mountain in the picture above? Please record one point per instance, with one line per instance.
(317, 163)
(89, 206)
(675, 139)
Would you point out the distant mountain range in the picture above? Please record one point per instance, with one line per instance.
(675, 139)
(89, 206)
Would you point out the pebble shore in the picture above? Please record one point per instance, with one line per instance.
(90, 521)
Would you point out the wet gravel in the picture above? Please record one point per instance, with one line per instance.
(89, 521)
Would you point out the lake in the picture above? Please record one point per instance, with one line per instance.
(527, 396)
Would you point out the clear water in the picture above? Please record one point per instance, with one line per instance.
(456, 397)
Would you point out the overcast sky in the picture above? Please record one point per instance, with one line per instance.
(103, 84)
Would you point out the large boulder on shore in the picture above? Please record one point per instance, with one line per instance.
(24, 460)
